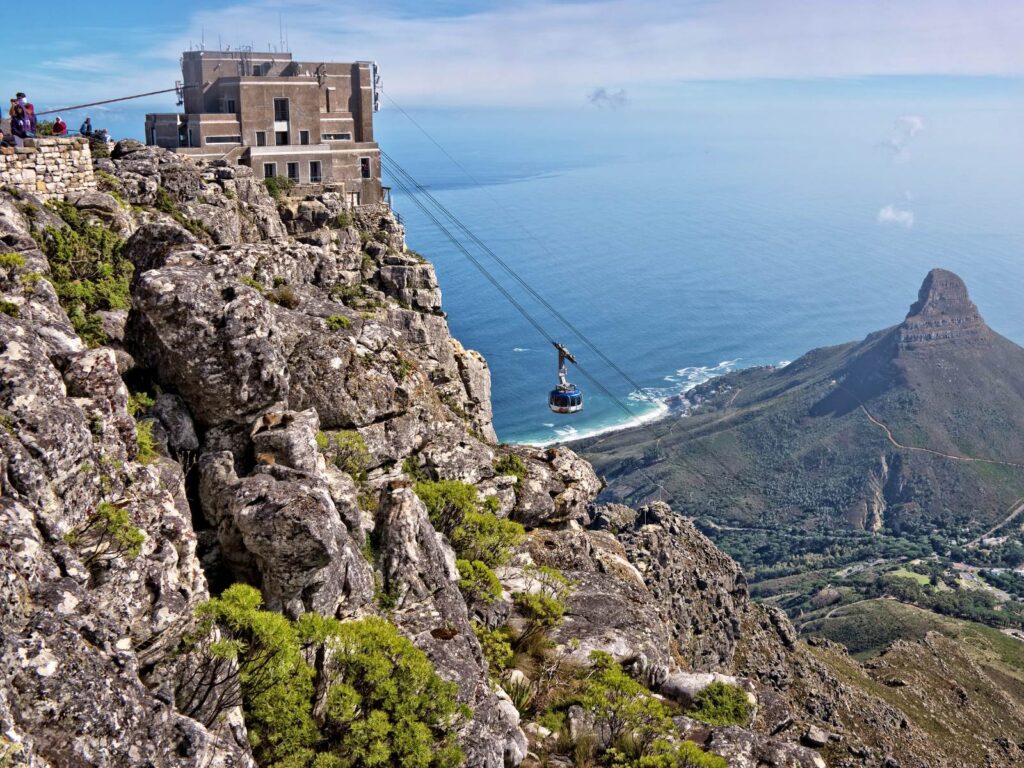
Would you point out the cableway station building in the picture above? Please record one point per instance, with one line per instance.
(311, 122)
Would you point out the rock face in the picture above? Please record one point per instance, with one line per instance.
(83, 627)
(302, 379)
(942, 314)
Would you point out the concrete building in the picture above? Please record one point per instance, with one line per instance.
(307, 121)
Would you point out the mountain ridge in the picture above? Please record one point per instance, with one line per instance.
(940, 380)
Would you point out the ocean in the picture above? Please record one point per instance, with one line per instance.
(686, 242)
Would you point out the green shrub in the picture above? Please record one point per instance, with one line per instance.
(511, 464)
(9, 308)
(622, 707)
(474, 534)
(256, 662)
(88, 271)
(482, 536)
(146, 444)
(29, 281)
(496, 649)
(278, 186)
(402, 368)
(139, 402)
(543, 606)
(165, 203)
(338, 323)
(251, 282)
(11, 261)
(663, 754)
(322, 441)
(350, 453)
(447, 502)
(386, 705)
(412, 468)
(721, 704)
(522, 693)
(477, 582)
(285, 296)
(343, 220)
(108, 533)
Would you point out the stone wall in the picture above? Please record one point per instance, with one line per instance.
(48, 167)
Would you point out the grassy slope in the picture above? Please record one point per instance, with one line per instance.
(771, 446)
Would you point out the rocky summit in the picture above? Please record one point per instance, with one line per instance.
(943, 313)
(254, 513)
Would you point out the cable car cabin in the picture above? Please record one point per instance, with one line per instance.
(564, 398)
(568, 400)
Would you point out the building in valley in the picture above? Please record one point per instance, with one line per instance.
(311, 122)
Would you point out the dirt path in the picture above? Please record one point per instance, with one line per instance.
(897, 444)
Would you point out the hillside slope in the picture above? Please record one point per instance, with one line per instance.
(870, 435)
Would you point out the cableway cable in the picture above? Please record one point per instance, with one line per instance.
(176, 89)
(408, 185)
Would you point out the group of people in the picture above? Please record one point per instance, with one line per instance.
(24, 123)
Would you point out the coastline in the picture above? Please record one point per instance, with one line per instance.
(663, 402)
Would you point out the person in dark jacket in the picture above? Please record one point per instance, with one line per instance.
(19, 125)
(30, 112)
(86, 129)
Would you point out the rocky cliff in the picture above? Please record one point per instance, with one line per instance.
(258, 391)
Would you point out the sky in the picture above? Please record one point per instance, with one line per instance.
(605, 54)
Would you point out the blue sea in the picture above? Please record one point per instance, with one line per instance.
(686, 240)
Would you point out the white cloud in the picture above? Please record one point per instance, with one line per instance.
(536, 52)
(904, 129)
(892, 215)
(525, 52)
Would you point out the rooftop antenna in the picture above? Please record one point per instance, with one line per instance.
(202, 46)
(220, 45)
(280, 29)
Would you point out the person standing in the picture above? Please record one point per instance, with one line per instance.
(30, 113)
(19, 125)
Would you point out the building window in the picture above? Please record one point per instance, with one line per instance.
(335, 137)
(223, 139)
(293, 171)
(330, 96)
(303, 137)
(281, 138)
(281, 110)
(353, 199)
(364, 168)
(261, 138)
(315, 176)
(152, 136)
(269, 170)
(230, 106)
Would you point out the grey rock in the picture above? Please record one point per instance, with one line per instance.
(172, 411)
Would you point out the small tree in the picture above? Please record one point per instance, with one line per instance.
(447, 502)
(107, 534)
(622, 707)
(386, 705)
(543, 606)
(477, 582)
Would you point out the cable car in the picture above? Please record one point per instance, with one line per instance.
(565, 398)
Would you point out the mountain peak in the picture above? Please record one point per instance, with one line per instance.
(943, 313)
